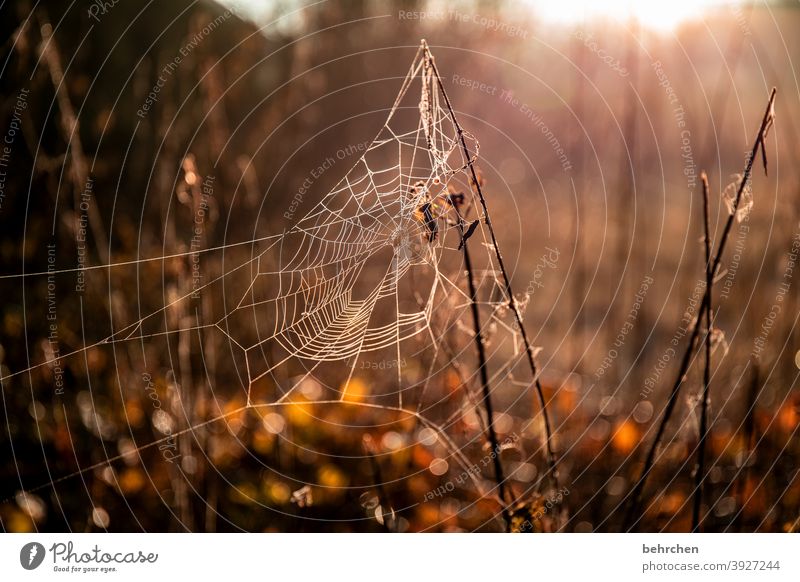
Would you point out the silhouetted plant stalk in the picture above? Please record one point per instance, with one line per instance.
(483, 371)
(70, 130)
(635, 496)
(748, 452)
(699, 479)
(512, 304)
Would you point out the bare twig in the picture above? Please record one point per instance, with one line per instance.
(699, 479)
(512, 303)
(483, 370)
(635, 495)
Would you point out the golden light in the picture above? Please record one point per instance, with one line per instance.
(662, 15)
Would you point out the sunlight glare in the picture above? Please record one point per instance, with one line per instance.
(658, 14)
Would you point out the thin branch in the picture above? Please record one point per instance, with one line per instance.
(483, 370)
(70, 133)
(512, 303)
(635, 496)
(699, 480)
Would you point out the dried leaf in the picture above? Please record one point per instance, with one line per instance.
(770, 122)
(745, 202)
(468, 233)
(718, 340)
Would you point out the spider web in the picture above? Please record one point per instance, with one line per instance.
(362, 272)
(364, 296)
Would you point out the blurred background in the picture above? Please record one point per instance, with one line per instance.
(123, 122)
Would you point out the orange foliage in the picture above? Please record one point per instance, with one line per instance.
(626, 437)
